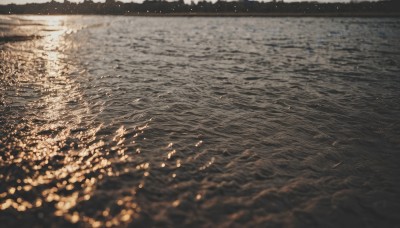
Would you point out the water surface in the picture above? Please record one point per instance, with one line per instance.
(232, 122)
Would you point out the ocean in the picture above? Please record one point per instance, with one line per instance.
(206, 122)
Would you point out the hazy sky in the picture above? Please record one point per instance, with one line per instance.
(40, 1)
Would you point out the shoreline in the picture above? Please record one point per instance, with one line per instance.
(194, 14)
(263, 14)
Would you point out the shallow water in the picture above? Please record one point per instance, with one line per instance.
(266, 122)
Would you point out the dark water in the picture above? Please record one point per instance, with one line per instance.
(255, 122)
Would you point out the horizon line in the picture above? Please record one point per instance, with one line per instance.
(25, 2)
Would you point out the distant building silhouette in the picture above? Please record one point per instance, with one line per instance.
(218, 8)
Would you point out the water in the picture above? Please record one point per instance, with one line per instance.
(266, 122)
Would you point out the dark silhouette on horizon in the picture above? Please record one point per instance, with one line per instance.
(204, 8)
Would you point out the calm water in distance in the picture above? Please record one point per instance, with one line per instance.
(228, 122)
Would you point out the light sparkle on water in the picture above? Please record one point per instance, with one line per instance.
(108, 121)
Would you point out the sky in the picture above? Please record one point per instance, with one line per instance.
(3, 2)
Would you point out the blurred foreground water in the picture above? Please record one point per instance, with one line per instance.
(267, 122)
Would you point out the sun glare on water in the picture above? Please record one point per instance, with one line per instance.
(84, 162)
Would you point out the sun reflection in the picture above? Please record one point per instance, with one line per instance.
(63, 165)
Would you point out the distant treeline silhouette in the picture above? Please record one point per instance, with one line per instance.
(242, 7)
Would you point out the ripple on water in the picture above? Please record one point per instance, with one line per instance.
(113, 121)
